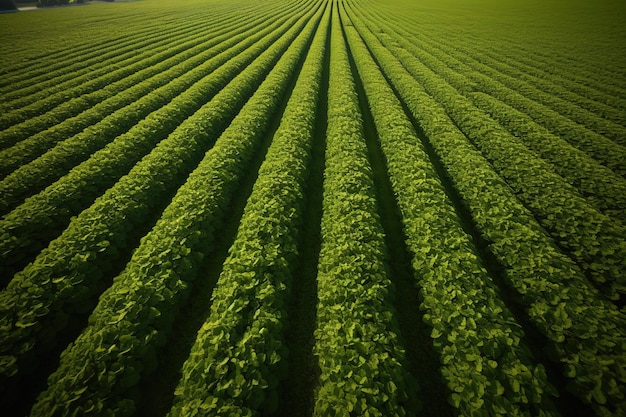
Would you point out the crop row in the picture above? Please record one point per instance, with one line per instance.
(585, 81)
(596, 103)
(542, 92)
(525, 63)
(386, 151)
(487, 367)
(481, 77)
(599, 185)
(43, 67)
(66, 276)
(239, 354)
(42, 95)
(144, 299)
(30, 226)
(580, 86)
(68, 64)
(592, 239)
(460, 52)
(593, 144)
(597, 145)
(363, 369)
(29, 177)
(582, 328)
(39, 114)
(113, 100)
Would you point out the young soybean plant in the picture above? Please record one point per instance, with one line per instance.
(47, 213)
(593, 240)
(155, 101)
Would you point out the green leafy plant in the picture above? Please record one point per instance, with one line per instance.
(584, 329)
(144, 299)
(360, 354)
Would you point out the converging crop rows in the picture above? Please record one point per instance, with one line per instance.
(313, 208)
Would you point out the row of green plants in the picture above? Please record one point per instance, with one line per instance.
(239, 355)
(600, 148)
(41, 95)
(541, 91)
(589, 99)
(483, 77)
(19, 81)
(34, 128)
(578, 85)
(552, 70)
(97, 103)
(67, 63)
(592, 86)
(83, 64)
(584, 331)
(362, 361)
(509, 89)
(597, 183)
(580, 77)
(487, 368)
(593, 240)
(570, 109)
(103, 122)
(29, 228)
(68, 276)
(134, 316)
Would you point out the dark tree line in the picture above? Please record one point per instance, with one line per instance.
(7, 5)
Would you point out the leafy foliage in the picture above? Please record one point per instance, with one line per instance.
(239, 355)
(156, 280)
(487, 368)
(72, 266)
(25, 229)
(99, 133)
(360, 354)
(585, 330)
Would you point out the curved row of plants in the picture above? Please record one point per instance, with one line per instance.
(524, 61)
(510, 212)
(455, 48)
(483, 77)
(598, 147)
(363, 367)
(30, 226)
(539, 92)
(113, 100)
(68, 276)
(43, 95)
(486, 366)
(593, 86)
(239, 354)
(601, 106)
(63, 63)
(596, 183)
(59, 115)
(583, 77)
(100, 366)
(592, 239)
(584, 330)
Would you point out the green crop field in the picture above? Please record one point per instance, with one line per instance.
(313, 208)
